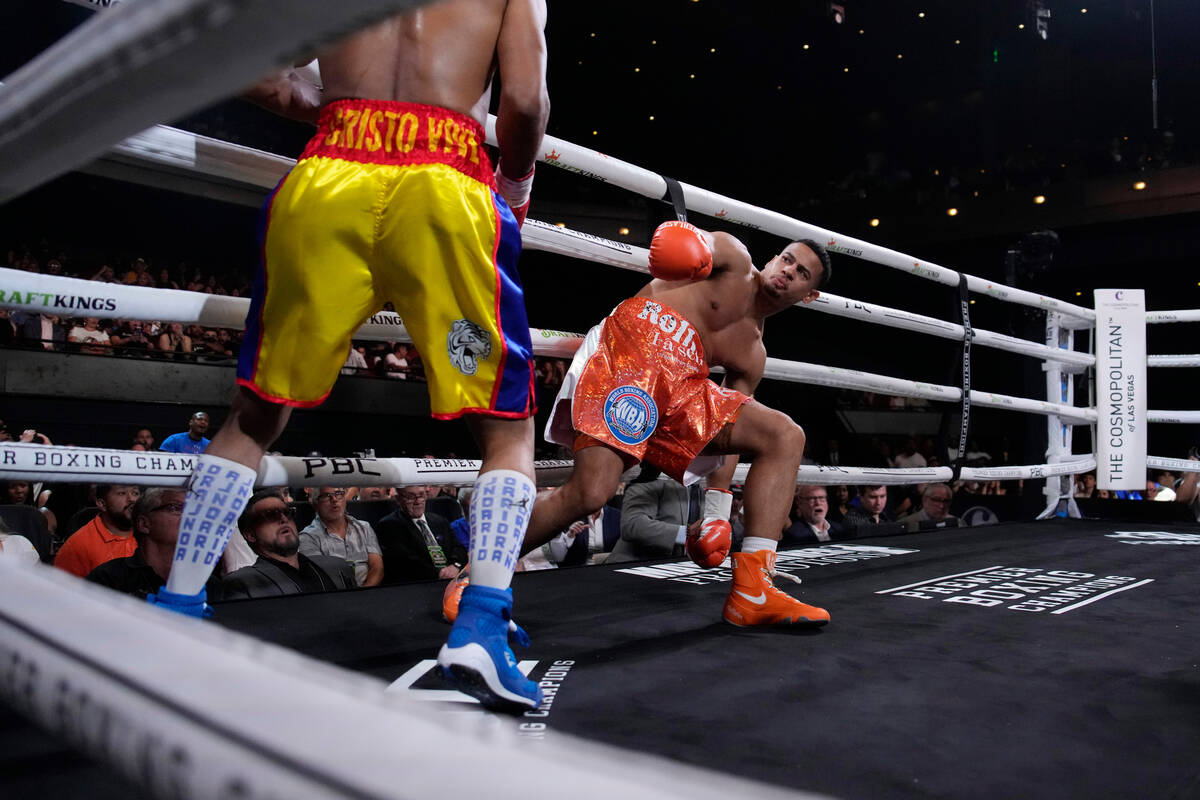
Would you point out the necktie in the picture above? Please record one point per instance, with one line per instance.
(436, 554)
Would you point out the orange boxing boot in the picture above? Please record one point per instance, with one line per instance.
(754, 600)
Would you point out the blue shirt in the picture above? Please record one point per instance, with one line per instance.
(182, 443)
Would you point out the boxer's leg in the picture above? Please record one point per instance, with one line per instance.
(593, 482)
(776, 445)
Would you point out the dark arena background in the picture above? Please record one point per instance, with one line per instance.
(1049, 146)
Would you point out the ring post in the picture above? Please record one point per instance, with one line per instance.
(1060, 388)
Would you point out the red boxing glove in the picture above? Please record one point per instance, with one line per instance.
(679, 252)
(710, 547)
(516, 193)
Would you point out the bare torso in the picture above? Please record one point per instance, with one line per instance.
(723, 308)
(443, 54)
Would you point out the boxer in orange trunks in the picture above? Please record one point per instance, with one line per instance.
(638, 389)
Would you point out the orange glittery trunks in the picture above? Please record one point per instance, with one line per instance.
(639, 385)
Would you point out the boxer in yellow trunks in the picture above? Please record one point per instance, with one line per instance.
(391, 201)
(638, 389)
(394, 199)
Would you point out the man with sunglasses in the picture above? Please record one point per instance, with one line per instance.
(269, 527)
(156, 514)
(335, 533)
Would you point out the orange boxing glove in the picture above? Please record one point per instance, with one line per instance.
(711, 545)
(679, 251)
(516, 193)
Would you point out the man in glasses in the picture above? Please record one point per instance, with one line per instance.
(810, 511)
(418, 544)
(156, 514)
(935, 509)
(269, 526)
(335, 533)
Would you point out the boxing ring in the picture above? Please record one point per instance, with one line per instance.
(1036, 659)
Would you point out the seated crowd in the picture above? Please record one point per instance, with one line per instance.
(331, 538)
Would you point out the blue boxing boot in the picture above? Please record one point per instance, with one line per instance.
(477, 658)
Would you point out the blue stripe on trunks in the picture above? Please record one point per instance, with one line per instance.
(516, 373)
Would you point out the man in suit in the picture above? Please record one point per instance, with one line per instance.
(810, 510)
(417, 545)
(41, 330)
(654, 521)
(269, 526)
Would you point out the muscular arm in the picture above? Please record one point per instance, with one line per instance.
(293, 93)
(524, 101)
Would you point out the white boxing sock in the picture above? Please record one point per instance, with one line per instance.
(752, 544)
(500, 509)
(216, 495)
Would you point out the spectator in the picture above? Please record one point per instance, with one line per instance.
(810, 511)
(107, 536)
(1085, 485)
(839, 503)
(42, 330)
(335, 533)
(136, 270)
(16, 546)
(975, 456)
(461, 527)
(654, 520)
(8, 329)
(91, 338)
(268, 526)
(373, 493)
(908, 456)
(192, 440)
(935, 509)
(396, 362)
(130, 334)
(417, 545)
(586, 541)
(21, 493)
(155, 515)
(872, 509)
(173, 340)
(1160, 489)
(104, 275)
(355, 362)
(145, 438)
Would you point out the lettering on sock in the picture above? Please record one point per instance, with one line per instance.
(499, 513)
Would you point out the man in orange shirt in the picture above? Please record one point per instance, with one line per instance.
(107, 536)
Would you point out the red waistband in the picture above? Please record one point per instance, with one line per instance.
(390, 132)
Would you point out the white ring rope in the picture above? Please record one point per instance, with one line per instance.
(54, 294)
(29, 462)
(539, 235)
(1180, 360)
(1190, 315)
(163, 53)
(593, 164)
(31, 291)
(164, 147)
